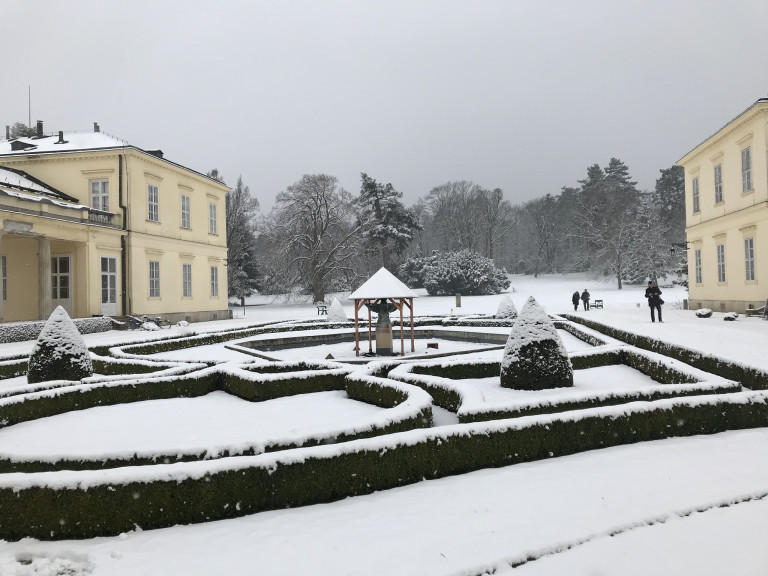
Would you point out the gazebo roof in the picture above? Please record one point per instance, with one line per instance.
(383, 284)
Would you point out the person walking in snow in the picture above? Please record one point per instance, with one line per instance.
(575, 300)
(654, 299)
(585, 299)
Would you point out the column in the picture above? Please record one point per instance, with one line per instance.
(44, 277)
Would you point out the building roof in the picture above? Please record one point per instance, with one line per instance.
(14, 180)
(383, 284)
(72, 142)
(759, 101)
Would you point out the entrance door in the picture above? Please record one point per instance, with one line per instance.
(61, 282)
(108, 286)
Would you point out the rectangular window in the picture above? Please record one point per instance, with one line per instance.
(100, 195)
(746, 169)
(697, 260)
(153, 208)
(214, 282)
(696, 194)
(185, 212)
(749, 258)
(186, 280)
(154, 279)
(212, 224)
(5, 278)
(718, 183)
(721, 262)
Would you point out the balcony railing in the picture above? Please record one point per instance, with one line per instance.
(101, 217)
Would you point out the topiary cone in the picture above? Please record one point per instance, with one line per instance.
(60, 352)
(534, 357)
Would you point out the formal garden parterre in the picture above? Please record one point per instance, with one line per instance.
(56, 496)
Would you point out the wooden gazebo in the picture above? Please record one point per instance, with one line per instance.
(386, 287)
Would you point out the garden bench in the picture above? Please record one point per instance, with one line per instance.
(597, 304)
(322, 309)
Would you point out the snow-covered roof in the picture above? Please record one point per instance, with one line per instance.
(383, 284)
(50, 143)
(15, 180)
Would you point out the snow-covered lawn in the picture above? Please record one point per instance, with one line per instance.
(660, 499)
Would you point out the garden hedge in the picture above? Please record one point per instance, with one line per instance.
(110, 502)
(751, 377)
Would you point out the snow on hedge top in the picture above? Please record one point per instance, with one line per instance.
(383, 284)
(532, 325)
(506, 308)
(336, 312)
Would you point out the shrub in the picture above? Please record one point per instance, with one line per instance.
(60, 352)
(506, 309)
(464, 272)
(535, 358)
(413, 271)
(704, 313)
(336, 312)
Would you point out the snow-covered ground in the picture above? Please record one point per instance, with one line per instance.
(650, 508)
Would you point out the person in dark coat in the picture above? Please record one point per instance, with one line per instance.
(654, 300)
(585, 299)
(575, 300)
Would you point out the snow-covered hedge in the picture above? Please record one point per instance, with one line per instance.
(87, 504)
(22, 331)
(443, 382)
(60, 352)
(748, 376)
(409, 408)
(535, 357)
(464, 272)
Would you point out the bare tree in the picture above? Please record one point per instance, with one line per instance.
(456, 215)
(496, 214)
(312, 235)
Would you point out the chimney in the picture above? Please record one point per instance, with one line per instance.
(39, 128)
(7, 132)
(96, 127)
(61, 138)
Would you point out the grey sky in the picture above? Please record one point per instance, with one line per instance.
(521, 95)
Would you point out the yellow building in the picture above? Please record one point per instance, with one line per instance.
(726, 200)
(101, 227)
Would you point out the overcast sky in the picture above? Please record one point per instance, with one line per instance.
(522, 95)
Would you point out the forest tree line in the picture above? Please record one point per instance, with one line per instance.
(320, 238)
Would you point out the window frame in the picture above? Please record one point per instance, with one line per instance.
(99, 199)
(719, 183)
(746, 170)
(4, 266)
(214, 281)
(186, 280)
(153, 203)
(213, 227)
(749, 259)
(721, 275)
(697, 265)
(695, 194)
(154, 279)
(186, 211)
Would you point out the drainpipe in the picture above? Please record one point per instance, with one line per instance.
(123, 255)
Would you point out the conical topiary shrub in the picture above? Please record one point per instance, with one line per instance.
(60, 352)
(534, 357)
(506, 309)
(336, 312)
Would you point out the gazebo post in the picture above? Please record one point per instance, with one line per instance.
(413, 347)
(357, 335)
(402, 342)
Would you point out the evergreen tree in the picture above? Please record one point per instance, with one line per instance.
(243, 275)
(386, 224)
